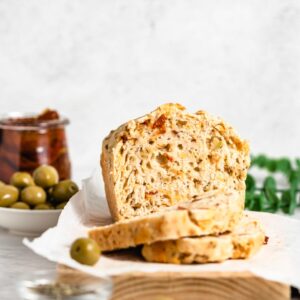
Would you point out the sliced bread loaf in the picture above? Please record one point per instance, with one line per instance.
(244, 241)
(169, 156)
(214, 214)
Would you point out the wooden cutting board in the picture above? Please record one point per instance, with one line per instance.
(187, 286)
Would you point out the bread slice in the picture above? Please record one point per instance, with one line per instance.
(244, 241)
(213, 214)
(169, 156)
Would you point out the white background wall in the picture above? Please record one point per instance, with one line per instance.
(102, 62)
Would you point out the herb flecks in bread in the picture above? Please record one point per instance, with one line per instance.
(243, 242)
(169, 156)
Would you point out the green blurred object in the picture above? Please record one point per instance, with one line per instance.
(85, 251)
(61, 205)
(33, 195)
(43, 206)
(63, 191)
(8, 195)
(45, 176)
(269, 198)
(20, 205)
(21, 180)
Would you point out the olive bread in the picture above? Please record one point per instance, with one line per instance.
(244, 241)
(213, 214)
(169, 156)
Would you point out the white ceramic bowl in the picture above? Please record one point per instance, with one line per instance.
(28, 222)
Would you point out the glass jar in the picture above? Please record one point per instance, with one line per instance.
(25, 146)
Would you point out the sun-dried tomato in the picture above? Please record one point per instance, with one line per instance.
(146, 122)
(124, 138)
(169, 158)
(160, 123)
(48, 115)
(151, 193)
(266, 240)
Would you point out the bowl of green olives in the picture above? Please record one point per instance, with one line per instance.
(30, 204)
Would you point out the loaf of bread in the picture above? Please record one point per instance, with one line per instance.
(169, 156)
(244, 241)
(216, 213)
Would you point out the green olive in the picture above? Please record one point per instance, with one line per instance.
(21, 180)
(20, 205)
(63, 191)
(8, 195)
(61, 205)
(45, 176)
(43, 206)
(85, 251)
(33, 195)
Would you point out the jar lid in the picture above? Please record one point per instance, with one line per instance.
(10, 121)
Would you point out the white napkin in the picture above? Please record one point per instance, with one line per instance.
(279, 260)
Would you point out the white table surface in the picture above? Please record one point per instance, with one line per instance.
(15, 261)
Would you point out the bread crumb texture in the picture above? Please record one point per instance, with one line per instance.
(170, 156)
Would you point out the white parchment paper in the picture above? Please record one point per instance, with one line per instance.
(279, 260)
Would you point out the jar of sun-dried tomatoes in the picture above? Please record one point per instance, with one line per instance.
(28, 141)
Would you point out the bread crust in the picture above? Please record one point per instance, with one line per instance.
(215, 214)
(108, 185)
(129, 197)
(243, 242)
